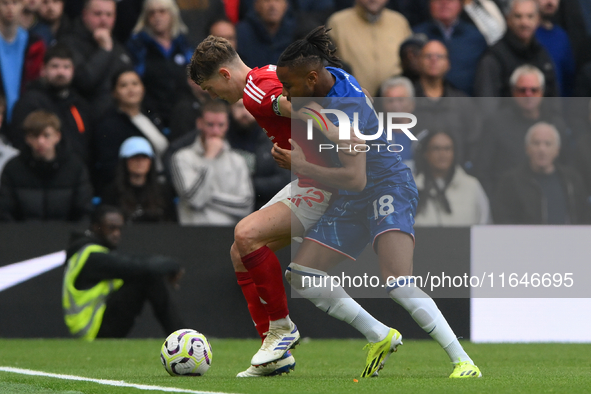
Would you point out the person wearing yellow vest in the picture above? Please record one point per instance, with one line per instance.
(104, 290)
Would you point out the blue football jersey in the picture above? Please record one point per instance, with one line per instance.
(346, 95)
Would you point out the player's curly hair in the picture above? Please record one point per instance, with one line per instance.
(313, 50)
(209, 56)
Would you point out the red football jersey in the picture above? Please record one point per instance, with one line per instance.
(261, 99)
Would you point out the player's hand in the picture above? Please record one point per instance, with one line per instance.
(103, 38)
(213, 146)
(297, 156)
(281, 156)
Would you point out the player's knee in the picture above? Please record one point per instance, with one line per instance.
(236, 260)
(245, 235)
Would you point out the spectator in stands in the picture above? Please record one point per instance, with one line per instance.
(53, 24)
(368, 38)
(488, 18)
(104, 291)
(198, 14)
(29, 16)
(125, 119)
(447, 195)
(225, 29)
(44, 182)
(21, 54)
(555, 39)
(574, 16)
(54, 92)
(97, 55)
(160, 54)
(433, 72)
(410, 56)
(247, 138)
(136, 190)
(541, 191)
(501, 146)
(265, 32)
(441, 106)
(211, 180)
(398, 95)
(465, 44)
(517, 47)
(7, 152)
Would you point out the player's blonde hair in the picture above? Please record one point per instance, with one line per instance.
(177, 28)
(211, 54)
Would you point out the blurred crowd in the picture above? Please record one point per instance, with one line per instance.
(96, 106)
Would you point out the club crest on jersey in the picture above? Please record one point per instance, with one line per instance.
(275, 101)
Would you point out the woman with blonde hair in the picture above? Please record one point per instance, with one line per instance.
(160, 54)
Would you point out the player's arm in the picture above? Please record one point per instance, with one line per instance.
(332, 133)
(351, 176)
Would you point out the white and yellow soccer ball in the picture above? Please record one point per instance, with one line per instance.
(186, 352)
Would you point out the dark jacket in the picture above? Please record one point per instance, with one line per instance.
(502, 143)
(519, 199)
(184, 115)
(575, 20)
(114, 265)
(38, 190)
(72, 110)
(499, 62)
(114, 128)
(94, 66)
(134, 205)
(164, 74)
(466, 46)
(256, 46)
(43, 30)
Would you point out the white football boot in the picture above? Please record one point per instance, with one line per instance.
(277, 342)
(284, 365)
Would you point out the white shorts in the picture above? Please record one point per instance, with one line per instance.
(307, 203)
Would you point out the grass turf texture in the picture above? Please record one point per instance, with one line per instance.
(323, 366)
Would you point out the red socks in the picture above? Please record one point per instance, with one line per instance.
(257, 310)
(266, 273)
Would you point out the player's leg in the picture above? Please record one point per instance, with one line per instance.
(256, 308)
(321, 251)
(395, 254)
(253, 238)
(260, 317)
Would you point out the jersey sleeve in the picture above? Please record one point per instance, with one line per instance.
(262, 92)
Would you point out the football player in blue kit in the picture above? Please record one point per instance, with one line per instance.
(383, 213)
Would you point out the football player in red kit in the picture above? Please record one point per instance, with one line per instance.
(218, 69)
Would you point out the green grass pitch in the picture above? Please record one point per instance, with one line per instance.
(323, 366)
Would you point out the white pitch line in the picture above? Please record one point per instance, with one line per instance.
(117, 383)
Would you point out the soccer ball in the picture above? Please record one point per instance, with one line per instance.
(186, 352)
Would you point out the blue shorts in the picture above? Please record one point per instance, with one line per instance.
(352, 221)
